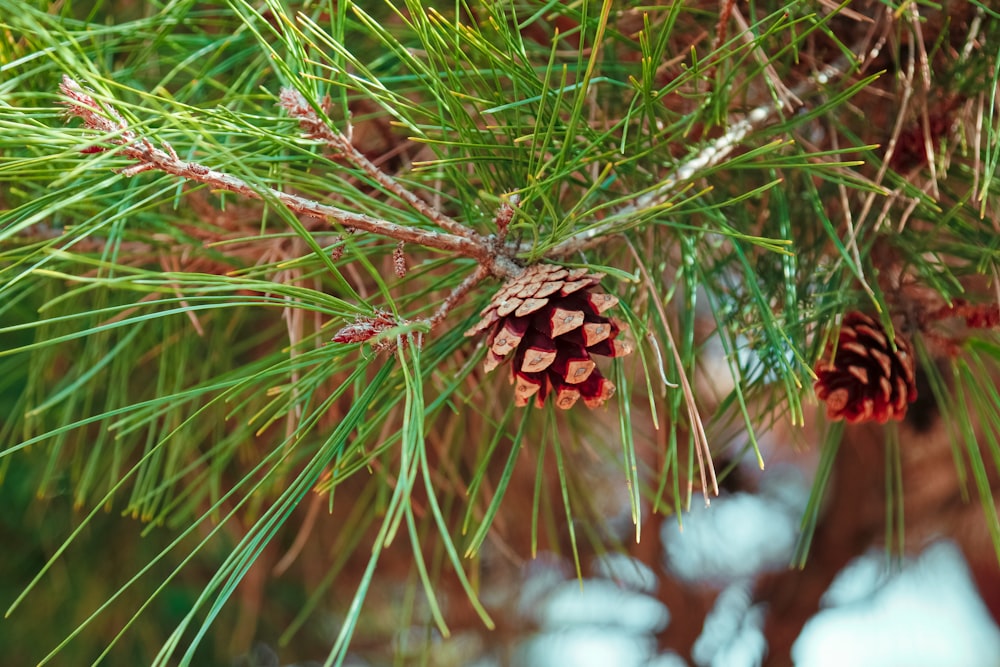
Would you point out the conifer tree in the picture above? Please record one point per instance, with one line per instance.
(314, 311)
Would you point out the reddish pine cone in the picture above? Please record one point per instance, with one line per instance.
(867, 380)
(550, 321)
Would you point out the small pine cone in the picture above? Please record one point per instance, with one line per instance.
(550, 321)
(366, 328)
(866, 380)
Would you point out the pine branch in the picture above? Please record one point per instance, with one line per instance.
(316, 128)
(484, 250)
(712, 155)
(457, 295)
(501, 102)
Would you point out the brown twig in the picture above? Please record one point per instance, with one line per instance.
(368, 327)
(725, 11)
(787, 97)
(318, 129)
(976, 315)
(457, 294)
(399, 260)
(147, 157)
(501, 222)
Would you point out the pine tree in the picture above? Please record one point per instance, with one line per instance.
(334, 300)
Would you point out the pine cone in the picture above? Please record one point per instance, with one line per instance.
(552, 320)
(866, 380)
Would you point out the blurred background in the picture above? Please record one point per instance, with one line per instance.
(712, 587)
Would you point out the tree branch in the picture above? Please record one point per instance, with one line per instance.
(713, 154)
(316, 128)
(147, 157)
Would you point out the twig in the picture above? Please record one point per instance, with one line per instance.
(852, 232)
(788, 98)
(170, 263)
(456, 295)
(501, 222)
(315, 128)
(105, 119)
(925, 79)
(713, 154)
(725, 10)
(901, 113)
(370, 327)
(399, 260)
(301, 537)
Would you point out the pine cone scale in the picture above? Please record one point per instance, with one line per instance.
(595, 332)
(493, 360)
(561, 320)
(509, 336)
(538, 356)
(855, 347)
(859, 372)
(548, 289)
(602, 302)
(525, 387)
(508, 306)
(884, 362)
(576, 284)
(575, 370)
(612, 348)
(596, 390)
(874, 334)
(529, 306)
(489, 318)
(901, 395)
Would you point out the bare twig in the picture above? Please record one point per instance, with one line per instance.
(367, 327)
(399, 260)
(316, 128)
(713, 154)
(925, 79)
(501, 222)
(456, 295)
(725, 10)
(301, 537)
(852, 233)
(788, 98)
(147, 157)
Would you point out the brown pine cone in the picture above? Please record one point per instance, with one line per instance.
(866, 380)
(552, 320)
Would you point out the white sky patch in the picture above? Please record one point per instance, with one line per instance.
(667, 659)
(586, 647)
(927, 615)
(923, 612)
